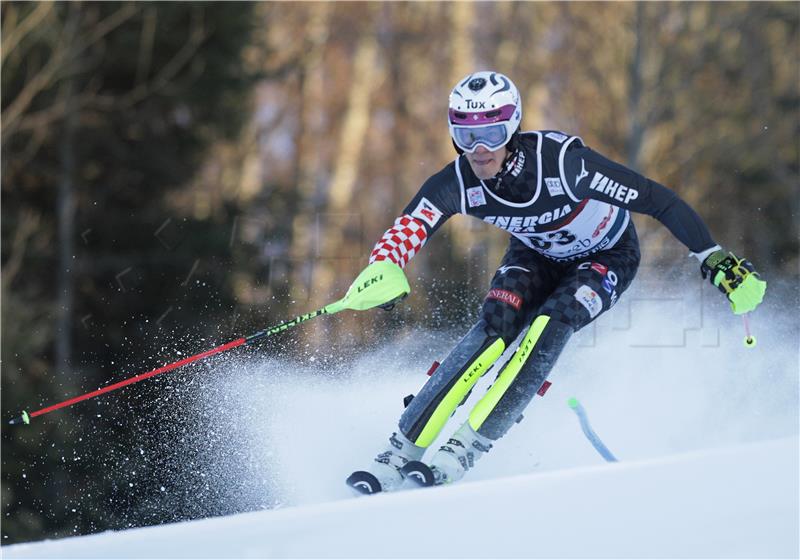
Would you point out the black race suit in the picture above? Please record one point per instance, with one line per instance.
(573, 251)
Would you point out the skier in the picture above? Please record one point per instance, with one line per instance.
(573, 251)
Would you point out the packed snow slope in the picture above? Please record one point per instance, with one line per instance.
(706, 431)
(738, 502)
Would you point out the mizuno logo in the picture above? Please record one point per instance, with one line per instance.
(582, 174)
(506, 268)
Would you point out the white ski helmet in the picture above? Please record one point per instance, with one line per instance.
(485, 109)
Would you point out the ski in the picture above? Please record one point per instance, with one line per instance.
(590, 434)
(418, 474)
(364, 482)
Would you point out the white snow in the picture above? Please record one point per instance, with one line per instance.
(738, 502)
(706, 432)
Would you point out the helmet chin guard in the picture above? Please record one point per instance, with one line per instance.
(484, 110)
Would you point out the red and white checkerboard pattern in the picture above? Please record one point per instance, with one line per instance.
(400, 242)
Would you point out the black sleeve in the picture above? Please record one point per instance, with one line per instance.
(437, 200)
(597, 177)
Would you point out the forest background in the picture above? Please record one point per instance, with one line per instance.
(175, 175)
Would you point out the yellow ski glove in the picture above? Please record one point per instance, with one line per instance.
(736, 278)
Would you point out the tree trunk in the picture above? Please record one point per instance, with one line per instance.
(636, 126)
(65, 211)
(310, 136)
(337, 249)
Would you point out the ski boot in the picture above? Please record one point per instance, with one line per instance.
(451, 461)
(385, 473)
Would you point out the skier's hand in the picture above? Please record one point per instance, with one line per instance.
(380, 284)
(736, 278)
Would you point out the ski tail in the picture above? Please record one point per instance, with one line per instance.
(590, 434)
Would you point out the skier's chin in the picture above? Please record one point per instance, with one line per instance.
(486, 164)
(484, 167)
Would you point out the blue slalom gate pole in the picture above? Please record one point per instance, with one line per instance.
(595, 440)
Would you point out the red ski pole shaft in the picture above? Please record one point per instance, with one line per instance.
(25, 417)
(139, 377)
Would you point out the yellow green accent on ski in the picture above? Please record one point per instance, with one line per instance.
(459, 391)
(485, 406)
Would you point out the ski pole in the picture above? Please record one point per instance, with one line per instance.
(593, 438)
(749, 339)
(25, 417)
(382, 283)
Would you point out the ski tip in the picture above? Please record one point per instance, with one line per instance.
(418, 473)
(364, 482)
(573, 402)
(23, 418)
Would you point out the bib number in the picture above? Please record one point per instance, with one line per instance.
(544, 242)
